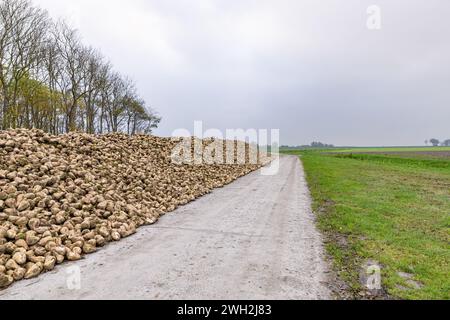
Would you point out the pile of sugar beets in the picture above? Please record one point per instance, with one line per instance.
(65, 196)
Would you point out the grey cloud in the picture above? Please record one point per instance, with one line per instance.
(310, 68)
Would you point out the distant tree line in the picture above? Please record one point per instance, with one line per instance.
(321, 145)
(435, 142)
(312, 145)
(49, 80)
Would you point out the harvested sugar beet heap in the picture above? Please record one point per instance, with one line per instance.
(65, 196)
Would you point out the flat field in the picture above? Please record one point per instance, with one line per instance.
(391, 206)
(392, 149)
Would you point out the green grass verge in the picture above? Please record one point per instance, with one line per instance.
(418, 161)
(391, 149)
(390, 209)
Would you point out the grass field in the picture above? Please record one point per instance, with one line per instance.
(390, 208)
(391, 149)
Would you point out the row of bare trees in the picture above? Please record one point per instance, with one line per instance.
(49, 80)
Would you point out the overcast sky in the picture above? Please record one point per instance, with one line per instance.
(310, 68)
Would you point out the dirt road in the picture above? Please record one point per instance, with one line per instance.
(253, 239)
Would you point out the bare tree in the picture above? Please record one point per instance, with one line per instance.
(74, 58)
(91, 88)
(104, 87)
(22, 32)
(51, 65)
